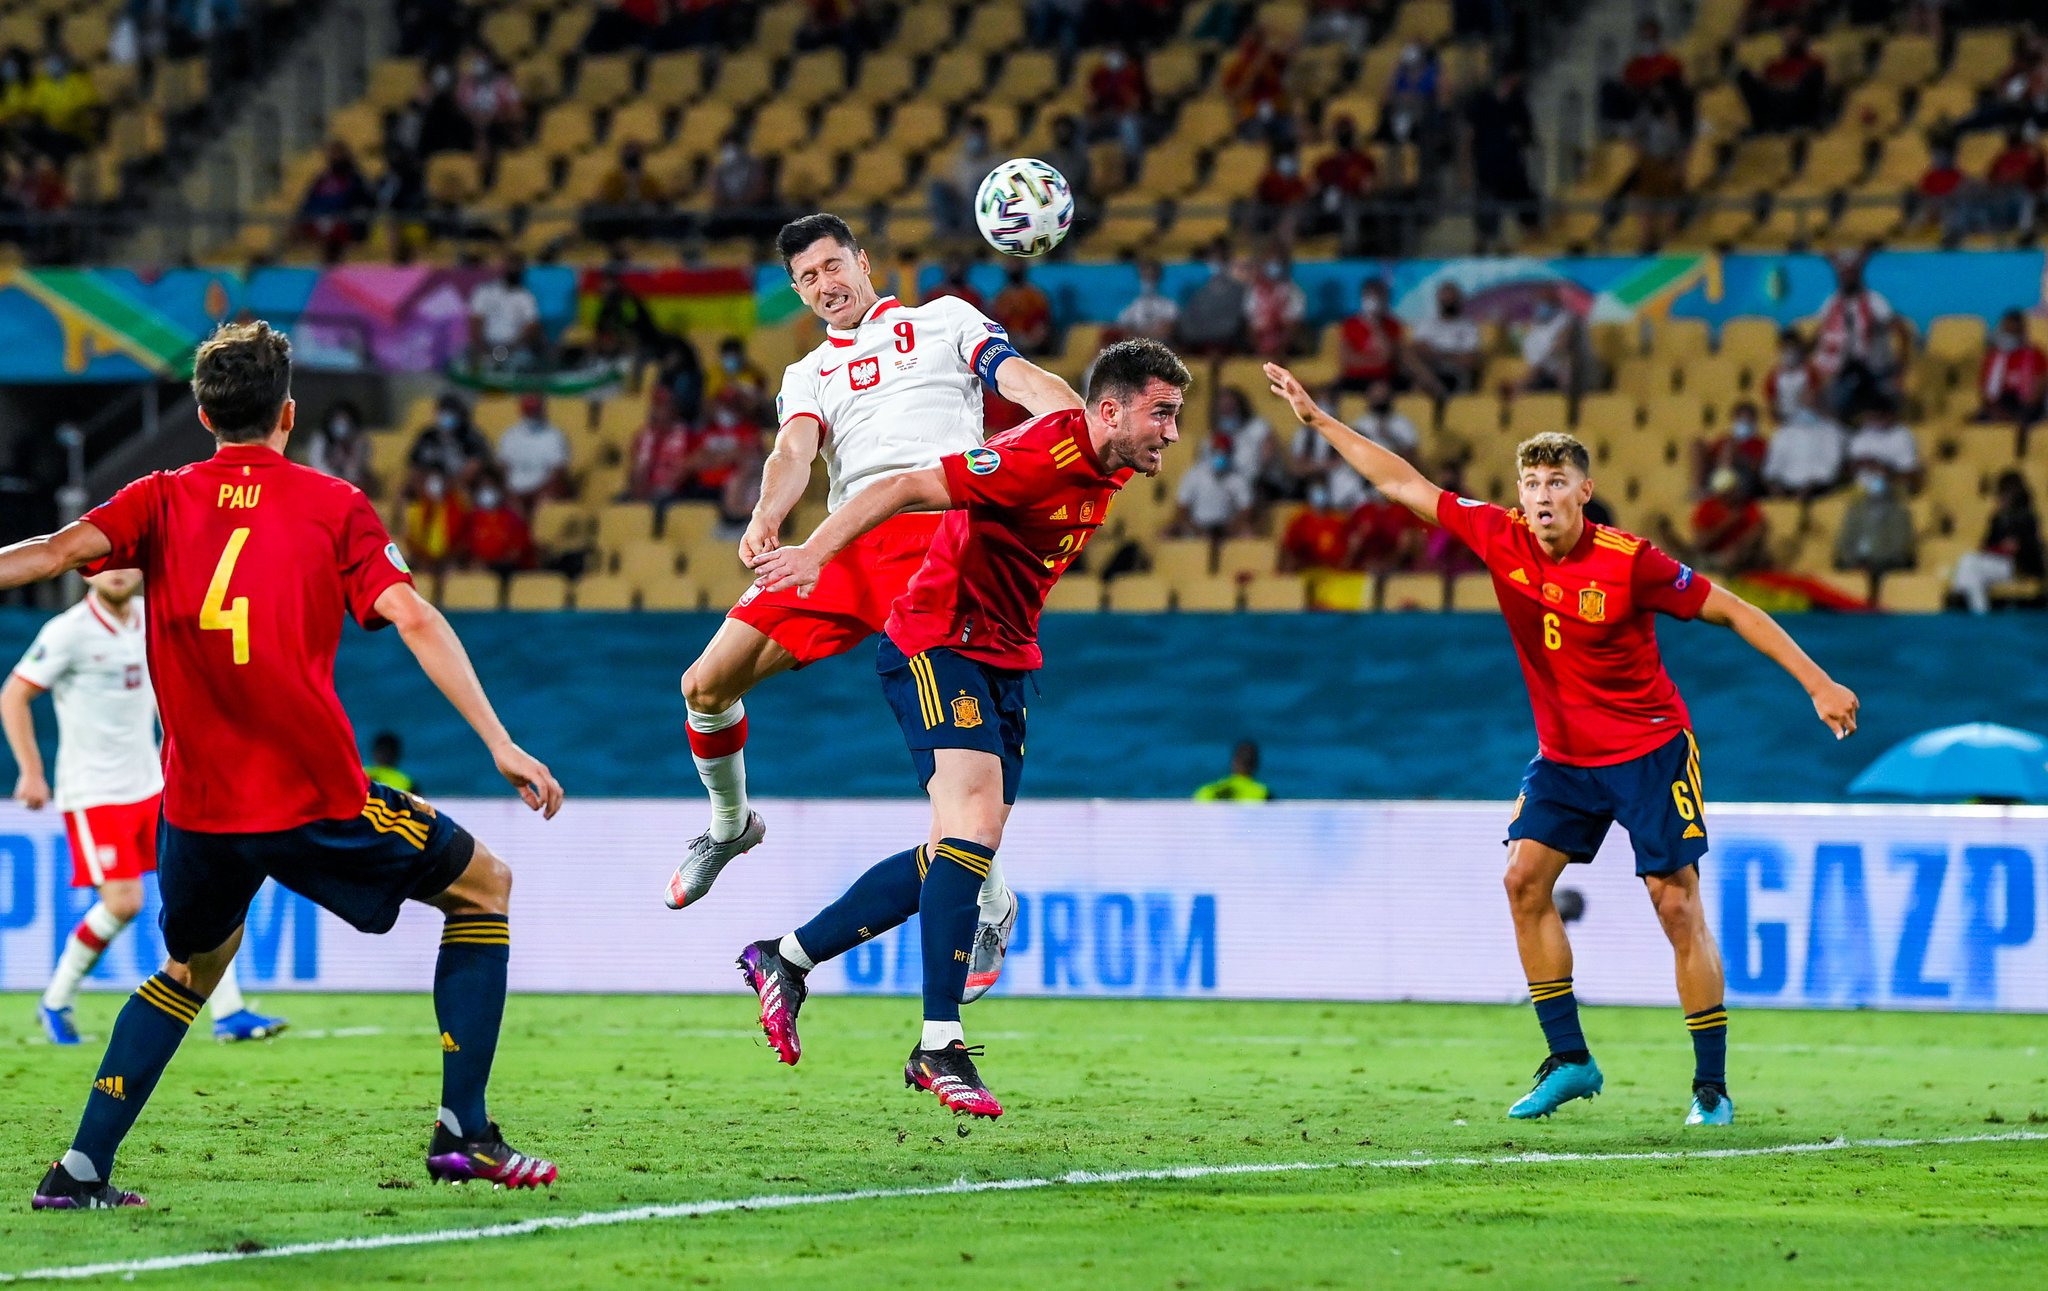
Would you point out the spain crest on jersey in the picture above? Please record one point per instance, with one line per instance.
(966, 712)
(1592, 605)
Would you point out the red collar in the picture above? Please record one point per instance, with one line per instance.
(92, 604)
(836, 337)
(248, 455)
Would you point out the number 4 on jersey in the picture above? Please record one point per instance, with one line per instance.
(215, 614)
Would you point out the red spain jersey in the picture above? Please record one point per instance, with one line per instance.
(1024, 505)
(251, 563)
(1584, 629)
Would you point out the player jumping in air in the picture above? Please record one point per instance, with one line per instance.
(252, 562)
(110, 783)
(1613, 739)
(893, 388)
(960, 650)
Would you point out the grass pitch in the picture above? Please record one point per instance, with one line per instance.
(318, 1137)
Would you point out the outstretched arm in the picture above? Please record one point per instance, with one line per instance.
(784, 477)
(1834, 703)
(447, 665)
(31, 790)
(1039, 392)
(1387, 472)
(34, 560)
(798, 566)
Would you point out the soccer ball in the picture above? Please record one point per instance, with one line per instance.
(1024, 207)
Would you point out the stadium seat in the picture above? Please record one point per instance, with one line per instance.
(886, 79)
(675, 79)
(994, 28)
(1205, 594)
(676, 594)
(744, 79)
(1245, 557)
(620, 523)
(471, 590)
(1139, 594)
(1275, 592)
(1913, 591)
(1412, 592)
(814, 78)
(1181, 561)
(1473, 593)
(1536, 413)
(605, 79)
(1081, 594)
(538, 589)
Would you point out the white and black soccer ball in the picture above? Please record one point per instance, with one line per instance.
(1024, 207)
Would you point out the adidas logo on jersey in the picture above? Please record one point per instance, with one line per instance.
(1520, 576)
(1060, 514)
(112, 1087)
(1693, 831)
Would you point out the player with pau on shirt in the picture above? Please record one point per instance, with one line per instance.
(1614, 742)
(110, 779)
(958, 656)
(253, 562)
(893, 388)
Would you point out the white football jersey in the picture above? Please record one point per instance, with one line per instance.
(897, 393)
(96, 669)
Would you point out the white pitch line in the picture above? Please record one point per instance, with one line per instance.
(1077, 1178)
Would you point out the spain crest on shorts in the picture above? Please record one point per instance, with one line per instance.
(966, 712)
(1592, 605)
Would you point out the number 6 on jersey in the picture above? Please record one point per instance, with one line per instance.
(215, 614)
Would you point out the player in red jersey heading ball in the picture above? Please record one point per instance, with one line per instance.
(252, 562)
(962, 644)
(1614, 742)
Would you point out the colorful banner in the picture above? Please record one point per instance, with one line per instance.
(714, 302)
(1815, 907)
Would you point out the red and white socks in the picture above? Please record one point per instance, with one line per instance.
(718, 744)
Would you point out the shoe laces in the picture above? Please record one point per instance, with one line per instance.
(1707, 1097)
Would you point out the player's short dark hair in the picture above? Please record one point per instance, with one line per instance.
(1553, 448)
(801, 233)
(241, 377)
(1123, 369)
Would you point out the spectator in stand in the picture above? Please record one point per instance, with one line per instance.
(490, 99)
(740, 382)
(533, 456)
(1120, 102)
(1728, 533)
(742, 492)
(1342, 185)
(953, 281)
(449, 446)
(504, 320)
(1312, 459)
(1213, 500)
(742, 193)
(1805, 456)
(495, 535)
(433, 122)
(68, 115)
(333, 212)
(1276, 309)
(1657, 182)
(1447, 347)
(952, 190)
(1223, 22)
(1651, 67)
(1345, 22)
(2019, 92)
(17, 75)
(1502, 133)
(1860, 344)
(1741, 450)
(1371, 344)
(433, 516)
(401, 194)
(1256, 73)
(1792, 93)
(682, 375)
(1151, 313)
(2011, 549)
(1793, 386)
(1554, 346)
(2012, 382)
(339, 448)
(1386, 425)
(1057, 22)
(658, 462)
(1212, 318)
(624, 330)
(1383, 535)
(1254, 449)
(1883, 440)
(718, 450)
(1318, 537)
(624, 24)
(1877, 530)
(1069, 156)
(2014, 183)
(630, 200)
(1025, 312)
(1280, 199)
(1940, 198)
(1413, 110)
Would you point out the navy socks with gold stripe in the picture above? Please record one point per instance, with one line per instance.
(1709, 1028)
(948, 907)
(152, 1024)
(1557, 1009)
(879, 900)
(469, 1005)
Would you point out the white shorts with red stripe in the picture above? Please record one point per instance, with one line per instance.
(117, 841)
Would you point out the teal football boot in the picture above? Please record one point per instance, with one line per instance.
(1710, 1106)
(1558, 1082)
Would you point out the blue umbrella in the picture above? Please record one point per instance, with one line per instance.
(1958, 763)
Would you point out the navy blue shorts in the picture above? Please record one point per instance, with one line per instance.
(362, 868)
(1655, 797)
(945, 700)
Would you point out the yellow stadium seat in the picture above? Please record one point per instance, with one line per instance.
(1428, 21)
(1276, 593)
(1246, 556)
(703, 126)
(780, 127)
(565, 130)
(1472, 417)
(1980, 56)
(1945, 101)
(775, 31)
(568, 29)
(1536, 414)
(815, 78)
(1175, 73)
(924, 27)
(847, 125)
(807, 176)
(1473, 593)
(392, 82)
(1957, 338)
(619, 523)
(1205, 594)
(452, 177)
(1758, 165)
(604, 79)
(538, 589)
(1872, 109)
(508, 33)
(1907, 60)
(1913, 592)
(675, 78)
(471, 590)
(1412, 592)
(917, 126)
(1606, 414)
(744, 78)
(603, 592)
(875, 177)
(1080, 594)
(560, 526)
(994, 28)
(539, 78)
(1205, 121)
(1026, 77)
(956, 75)
(1181, 560)
(1139, 594)
(886, 79)
(1752, 341)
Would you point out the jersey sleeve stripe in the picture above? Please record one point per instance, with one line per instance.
(799, 416)
(29, 681)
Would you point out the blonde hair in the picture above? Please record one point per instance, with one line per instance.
(1553, 448)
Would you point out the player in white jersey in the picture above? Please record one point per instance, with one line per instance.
(110, 781)
(893, 388)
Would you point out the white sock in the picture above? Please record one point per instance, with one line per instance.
(995, 894)
(793, 950)
(100, 924)
(226, 1000)
(80, 1167)
(937, 1035)
(725, 777)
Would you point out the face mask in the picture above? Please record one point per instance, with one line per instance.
(434, 488)
(726, 417)
(2006, 341)
(478, 68)
(1275, 270)
(1229, 420)
(448, 420)
(1790, 358)
(441, 77)
(1220, 461)
(1545, 311)
(730, 153)
(1288, 167)
(340, 427)
(1319, 496)
(1873, 483)
(1115, 62)
(487, 498)
(730, 362)
(1372, 306)
(1743, 428)
(53, 67)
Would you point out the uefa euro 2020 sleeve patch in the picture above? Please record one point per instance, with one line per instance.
(983, 461)
(396, 557)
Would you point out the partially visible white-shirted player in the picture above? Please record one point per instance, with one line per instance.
(893, 388)
(92, 659)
